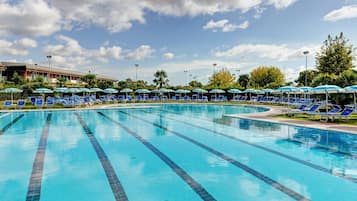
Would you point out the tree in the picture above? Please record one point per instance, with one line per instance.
(61, 81)
(90, 80)
(310, 75)
(323, 79)
(195, 84)
(103, 84)
(266, 77)
(17, 79)
(243, 80)
(160, 78)
(347, 78)
(223, 79)
(336, 55)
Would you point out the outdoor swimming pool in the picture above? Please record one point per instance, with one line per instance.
(171, 153)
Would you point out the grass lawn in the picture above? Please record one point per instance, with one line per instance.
(351, 121)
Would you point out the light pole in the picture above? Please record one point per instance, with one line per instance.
(306, 53)
(136, 75)
(49, 57)
(214, 68)
(185, 71)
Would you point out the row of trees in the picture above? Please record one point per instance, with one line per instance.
(334, 65)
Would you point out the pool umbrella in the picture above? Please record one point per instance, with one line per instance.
(11, 91)
(95, 90)
(155, 91)
(85, 90)
(306, 91)
(43, 91)
(168, 91)
(234, 91)
(200, 91)
(142, 91)
(352, 89)
(327, 89)
(268, 90)
(182, 91)
(126, 91)
(60, 89)
(73, 90)
(110, 91)
(216, 91)
(250, 91)
(288, 90)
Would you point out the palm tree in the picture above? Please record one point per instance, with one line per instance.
(160, 78)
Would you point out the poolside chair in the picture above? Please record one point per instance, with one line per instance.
(164, 98)
(7, 103)
(307, 110)
(50, 102)
(344, 115)
(20, 103)
(39, 102)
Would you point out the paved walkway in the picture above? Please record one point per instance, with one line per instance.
(263, 116)
(276, 110)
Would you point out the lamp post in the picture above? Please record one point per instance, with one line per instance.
(214, 68)
(49, 57)
(136, 74)
(185, 71)
(306, 53)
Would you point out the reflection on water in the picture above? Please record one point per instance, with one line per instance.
(332, 141)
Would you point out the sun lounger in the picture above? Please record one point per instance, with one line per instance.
(20, 103)
(7, 103)
(345, 114)
(39, 102)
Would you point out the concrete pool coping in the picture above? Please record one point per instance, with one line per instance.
(267, 116)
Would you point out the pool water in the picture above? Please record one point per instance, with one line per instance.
(171, 153)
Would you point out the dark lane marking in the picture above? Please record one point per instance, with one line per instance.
(303, 162)
(249, 170)
(318, 146)
(112, 177)
(198, 188)
(34, 188)
(3, 130)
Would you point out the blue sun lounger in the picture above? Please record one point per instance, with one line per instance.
(345, 114)
(20, 103)
(7, 103)
(39, 102)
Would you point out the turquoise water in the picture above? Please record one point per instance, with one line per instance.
(171, 153)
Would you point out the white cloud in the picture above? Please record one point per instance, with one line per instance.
(18, 47)
(224, 25)
(142, 52)
(168, 55)
(43, 17)
(346, 12)
(28, 18)
(68, 52)
(118, 16)
(280, 52)
(280, 4)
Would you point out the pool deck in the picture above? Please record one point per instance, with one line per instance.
(276, 110)
(262, 116)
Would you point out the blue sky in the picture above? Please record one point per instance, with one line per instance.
(110, 36)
